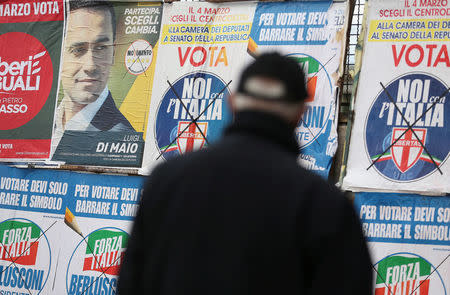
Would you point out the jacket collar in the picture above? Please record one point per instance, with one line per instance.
(267, 126)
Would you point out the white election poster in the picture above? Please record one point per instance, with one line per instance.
(313, 33)
(202, 46)
(400, 139)
(409, 241)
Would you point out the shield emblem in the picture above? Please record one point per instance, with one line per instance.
(191, 139)
(407, 150)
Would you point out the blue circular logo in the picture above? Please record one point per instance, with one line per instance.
(406, 130)
(193, 112)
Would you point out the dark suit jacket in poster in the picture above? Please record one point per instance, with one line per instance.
(109, 118)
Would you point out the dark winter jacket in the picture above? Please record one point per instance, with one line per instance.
(242, 217)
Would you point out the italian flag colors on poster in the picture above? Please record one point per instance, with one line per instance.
(31, 33)
(25, 255)
(403, 274)
(400, 138)
(409, 241)
(97, 261)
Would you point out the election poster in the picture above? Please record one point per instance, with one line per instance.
(400, 138)
(202, 46)
(409, 241)
(64, 232)
(26, 254)
(31, 33)
(108, 67)
(314, 34)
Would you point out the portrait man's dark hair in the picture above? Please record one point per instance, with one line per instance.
(97, 5)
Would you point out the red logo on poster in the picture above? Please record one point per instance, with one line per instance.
(26, 76)
(191, 136)
(407, 148)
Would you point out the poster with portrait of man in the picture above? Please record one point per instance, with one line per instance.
(106, 77)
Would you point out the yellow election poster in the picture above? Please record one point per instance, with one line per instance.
(202, 47)
(108, 66)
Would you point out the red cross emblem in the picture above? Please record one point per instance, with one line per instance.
(191, 139)
(407, 150)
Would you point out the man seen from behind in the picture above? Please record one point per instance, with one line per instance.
(242, 217)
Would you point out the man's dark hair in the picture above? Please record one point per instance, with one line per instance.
(97, 5)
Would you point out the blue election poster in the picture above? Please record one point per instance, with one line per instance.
(409, 241)
(64, 232)
(313, 33)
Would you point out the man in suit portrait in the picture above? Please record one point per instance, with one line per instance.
(87, 104)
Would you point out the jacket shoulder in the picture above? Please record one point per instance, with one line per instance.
(109, 118)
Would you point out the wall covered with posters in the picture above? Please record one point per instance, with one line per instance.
(135, 83)
(143, 81)
(128, 85)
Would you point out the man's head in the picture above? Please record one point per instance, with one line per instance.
(89, 50)
(272, 83)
